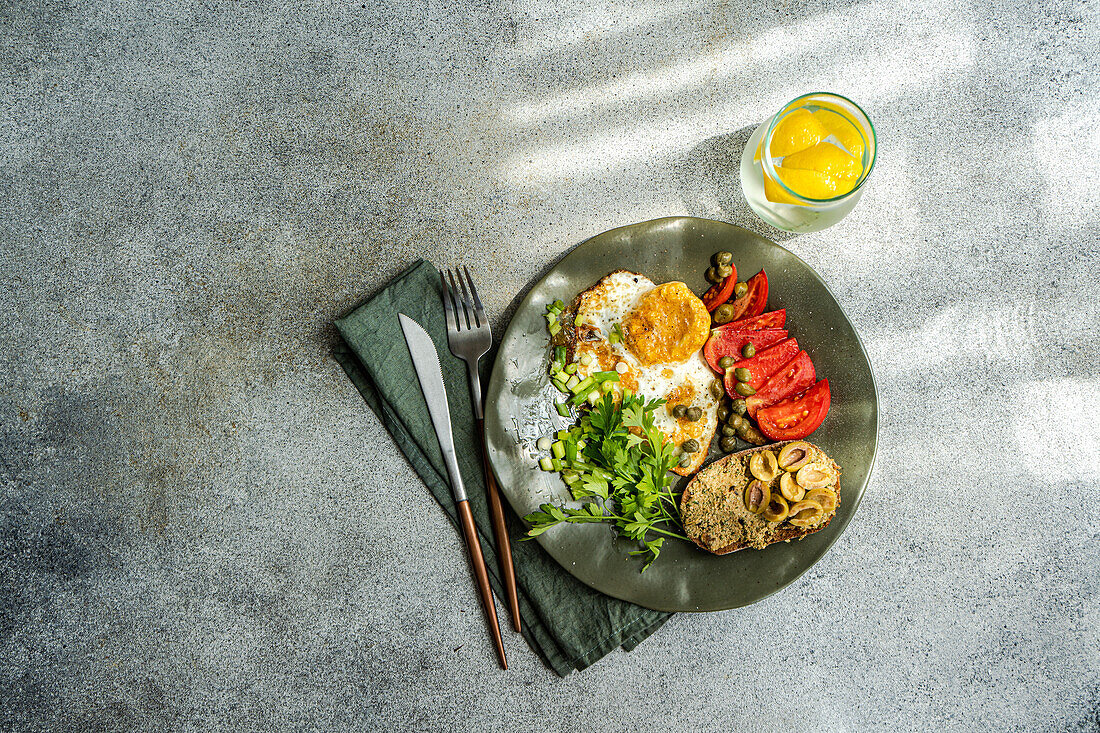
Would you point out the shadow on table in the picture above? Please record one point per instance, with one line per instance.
(708, 177)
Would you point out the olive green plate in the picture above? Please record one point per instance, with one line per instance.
(520, 409)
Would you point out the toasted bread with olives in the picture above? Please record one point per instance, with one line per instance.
(755, 498)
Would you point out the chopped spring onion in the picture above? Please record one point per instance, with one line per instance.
(558, 449)
(611, 376)
(559, 384)
(586, 359)
(593, 397)
(562, 408)
(573, 381)
(546, 464)
(543, 443)
(570, 368)
(584, 385)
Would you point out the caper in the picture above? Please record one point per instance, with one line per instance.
(794, 456)
(724, 271)
(740, 289)
(744, 389)
(725, 362)
(763, 465)
(723, 314)
(691, 445)
(736, 421)
(749, 434)
(728, 431)
(679, 411)
(741, 374)
(739, 406)
(712, 275)
(685, 461)
(694, 414)
(723, 258)
(748, 351)
(777, 509)
(717, 389)
(791, 491)
(727, 444)
(723, 412)
(757, 496)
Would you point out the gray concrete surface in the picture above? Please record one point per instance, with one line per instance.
(203, 528)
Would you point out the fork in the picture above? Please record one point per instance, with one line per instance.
(469, 337)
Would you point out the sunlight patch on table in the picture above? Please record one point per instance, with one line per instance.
(1054, 425)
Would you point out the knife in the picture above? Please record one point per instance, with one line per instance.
(425, 361)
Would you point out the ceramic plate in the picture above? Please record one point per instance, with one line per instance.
(520, 409)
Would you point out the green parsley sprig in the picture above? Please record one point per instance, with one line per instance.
(620, 474)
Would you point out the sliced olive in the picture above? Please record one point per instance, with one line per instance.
(741, 374)
(791, 491)
(712, 275)
(725, 362)
(723, 258)
(777, 509)
(794, 456)
(736, 421)
(723, 412)
(740, 289)
(724, 271)
(691, 445)
(739, 407)
(763, 465)
(748, 351)
(723, 314)
(805, 514)
(757, 496)
(750, 434)
(744, 389)
(728, 431)
(727, 444)
(823, 498)
(813, 476)
(679, 411)
(694, 414)
(717, 389)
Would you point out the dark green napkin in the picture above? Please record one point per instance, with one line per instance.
(567, 623)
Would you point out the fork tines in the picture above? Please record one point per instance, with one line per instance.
(455, 294)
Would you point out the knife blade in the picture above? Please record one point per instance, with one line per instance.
(425, 361)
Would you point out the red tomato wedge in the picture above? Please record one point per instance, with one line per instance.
(795, 377)
(720, 293)
(796, 417)
(763, 365)
(726, 342)
(753, 302)
(774, 319)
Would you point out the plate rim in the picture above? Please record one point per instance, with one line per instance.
(496, 379)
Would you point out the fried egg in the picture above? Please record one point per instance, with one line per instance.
(653, 336)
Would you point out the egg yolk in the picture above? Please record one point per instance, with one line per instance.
(669, 325)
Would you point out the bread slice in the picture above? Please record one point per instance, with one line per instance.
(713, 510)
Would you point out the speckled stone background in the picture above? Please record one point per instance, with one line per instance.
(203, 526)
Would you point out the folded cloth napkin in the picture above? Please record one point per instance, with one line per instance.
(567, 623)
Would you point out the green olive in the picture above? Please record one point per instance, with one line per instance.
(712, 275)
(749, 434)
(724, 271)
(723, 314)
(679, 411)
(694, 414)
(691, 445)
(727, 444)
(725, 362)
(757, 496)
(740, 289)
(723, 258)
(744, 389)
(728, 431)
(723, 413)
(748, 351)
(813, 476)
(741, 374)
(763, 466)
(777, 509)
(739, 407)
(794, 456)
(791, 491)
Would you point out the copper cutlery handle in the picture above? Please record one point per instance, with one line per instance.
(477, 561)
(500, 530)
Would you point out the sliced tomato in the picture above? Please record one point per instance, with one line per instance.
(753, 302)
(795, 377)
(796, 417)
(724, 342)
(773, 319)
(763, 365)
(720, 293)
